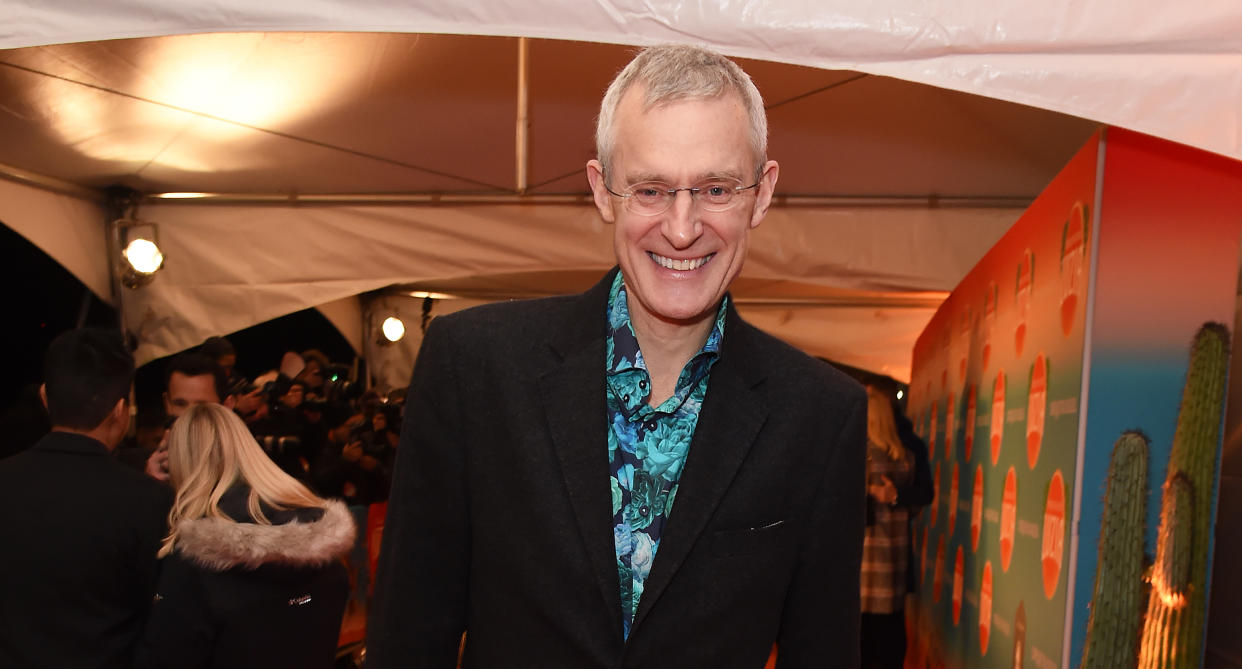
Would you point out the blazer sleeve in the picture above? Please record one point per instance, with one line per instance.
(419, 612)
(820, 622)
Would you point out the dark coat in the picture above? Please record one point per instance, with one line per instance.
(244, 594)
(500, 518)
(77, 565)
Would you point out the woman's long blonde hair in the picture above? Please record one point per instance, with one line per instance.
(209, 450)
(881, 426)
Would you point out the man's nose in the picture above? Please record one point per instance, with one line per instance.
(681, 225)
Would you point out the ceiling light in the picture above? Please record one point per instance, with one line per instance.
(138, 244)
(143, 256)
(393, 329)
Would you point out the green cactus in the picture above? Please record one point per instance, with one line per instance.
(1173, 547)
(1174, 627)
(1116, 605)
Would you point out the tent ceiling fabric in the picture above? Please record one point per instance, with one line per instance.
(1162, 68)
(382, 113)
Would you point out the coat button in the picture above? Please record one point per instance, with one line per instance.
(644, 510)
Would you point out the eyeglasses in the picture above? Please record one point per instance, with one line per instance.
(650, 198)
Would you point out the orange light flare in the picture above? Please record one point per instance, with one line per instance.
(1168, 596)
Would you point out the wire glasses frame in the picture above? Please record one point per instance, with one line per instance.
(651, 198)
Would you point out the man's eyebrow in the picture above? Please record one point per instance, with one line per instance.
(719, 174)
(644, 177)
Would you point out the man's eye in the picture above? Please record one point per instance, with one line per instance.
(715, 190)
(649, 192)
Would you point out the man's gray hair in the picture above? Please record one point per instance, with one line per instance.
(675, 72)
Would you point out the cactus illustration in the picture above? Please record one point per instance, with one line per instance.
(1116, 605)
(1174, 627)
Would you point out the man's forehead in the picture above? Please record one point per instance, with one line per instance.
(200, 388)
(635, 133)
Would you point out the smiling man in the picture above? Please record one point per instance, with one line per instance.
(634, 476)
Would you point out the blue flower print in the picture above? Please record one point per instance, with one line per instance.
(629, 390)
(646, 501)
(624, 432)
(623, 539)
(663, 451)
(644, 553)
(616, 495)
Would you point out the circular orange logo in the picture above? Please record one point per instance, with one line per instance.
(950, 426)
(985, 608)
(968, 437)
(957, 586)
(1036, 403)
(998, 415)
(976, 509)
(952, 500)
(1022, 297)
(1073, 258)
(1009, 516)
(1054, 533)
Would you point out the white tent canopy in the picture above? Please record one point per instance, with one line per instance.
(451, 159)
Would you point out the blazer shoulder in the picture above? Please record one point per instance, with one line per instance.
(794, 370)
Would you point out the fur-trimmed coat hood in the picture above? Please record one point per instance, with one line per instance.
(298, 538)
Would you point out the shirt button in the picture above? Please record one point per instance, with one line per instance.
(651, 425)
(644, 510)
(625, 398)
(642, 385)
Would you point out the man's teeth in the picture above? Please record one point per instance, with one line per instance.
(682, 265)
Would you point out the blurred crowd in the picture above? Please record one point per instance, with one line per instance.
(314, 422)
(260, 495)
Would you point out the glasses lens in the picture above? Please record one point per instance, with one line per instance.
(649, 198)
(717, 195)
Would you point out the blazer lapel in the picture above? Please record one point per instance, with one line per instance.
(729, 421)
(572, 392)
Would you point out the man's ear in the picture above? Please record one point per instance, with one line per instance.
(766, 188)
(43, 395)
(230, 402)
(603, 199)
(120, 411)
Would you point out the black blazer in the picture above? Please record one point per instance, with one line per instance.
(77, 569)
(500, 524)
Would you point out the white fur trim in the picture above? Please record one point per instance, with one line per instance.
(219, 544)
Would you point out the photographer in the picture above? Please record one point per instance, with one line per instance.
(284, 433)
(351, 467)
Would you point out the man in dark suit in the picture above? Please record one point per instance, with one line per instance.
(81, 529)
(634, 476)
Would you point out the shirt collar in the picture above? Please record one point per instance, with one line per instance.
(625, 358)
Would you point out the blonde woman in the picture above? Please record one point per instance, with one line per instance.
(890, 466)
(252, 573)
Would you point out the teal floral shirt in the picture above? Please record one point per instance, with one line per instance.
(647, 446)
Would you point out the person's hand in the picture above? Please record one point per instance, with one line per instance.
(368, 462)
(884, 492)
(157, 465)
(249, 403)
(352, 452)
